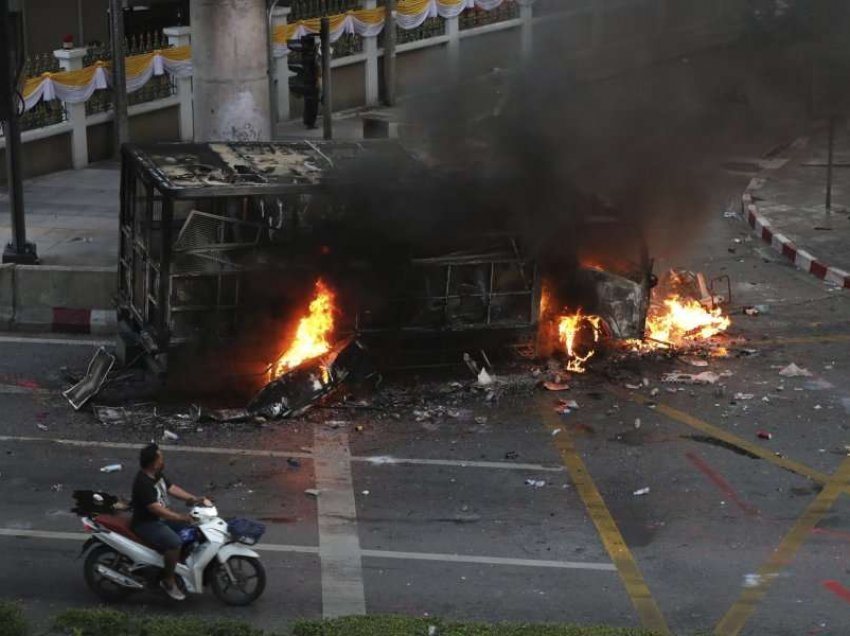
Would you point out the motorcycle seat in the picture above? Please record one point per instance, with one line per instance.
(121, 525)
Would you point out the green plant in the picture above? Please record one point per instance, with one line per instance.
(12, 621)
(94, 622)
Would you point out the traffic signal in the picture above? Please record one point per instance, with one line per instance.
(304, 63)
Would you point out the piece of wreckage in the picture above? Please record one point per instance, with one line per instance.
(216, 236)
(299, 389)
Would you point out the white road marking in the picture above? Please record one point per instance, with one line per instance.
(253, 452)
(78, 342)
(382, 460)
(339, 543)
(485, 560)
(377, 554)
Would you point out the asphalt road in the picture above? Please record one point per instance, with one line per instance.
(444, 520)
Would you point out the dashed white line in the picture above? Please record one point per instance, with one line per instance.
(376, 554)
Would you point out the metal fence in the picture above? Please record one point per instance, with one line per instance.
(478, 17)
(157, 88)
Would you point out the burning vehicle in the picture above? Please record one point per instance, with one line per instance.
(243, 255)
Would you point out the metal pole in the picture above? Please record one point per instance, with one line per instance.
(18, 250)
(829, 161)
(273, 98)
(389, 53)
(327, 84)
(119, 76)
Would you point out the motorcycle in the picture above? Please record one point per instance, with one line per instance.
(215, 553)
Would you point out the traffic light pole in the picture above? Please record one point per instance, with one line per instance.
(119, 76)
(18, 250)
(389, 53)
(327, 83)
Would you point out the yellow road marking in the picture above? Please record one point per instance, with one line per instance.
(738, 615)
(726, 436)
(650, 615)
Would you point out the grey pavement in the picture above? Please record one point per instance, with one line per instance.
(71, 216)
(793, 198)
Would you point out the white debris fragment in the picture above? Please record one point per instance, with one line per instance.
(41, 427)
(740, 397)
(641, 491)
(313, 492)
(633, 387)
(695, 362)
(170, 436)
(793, 371)
(556, 432)
(637, 422)
(484, 378)
(365, 492)
(706, 377)
(111, 468)
(654, 392)
(535, 483)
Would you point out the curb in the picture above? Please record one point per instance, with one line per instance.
(801, 259)
(88, 321)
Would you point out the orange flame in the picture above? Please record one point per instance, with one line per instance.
(681, 321)
(311, 338)
(570, 330)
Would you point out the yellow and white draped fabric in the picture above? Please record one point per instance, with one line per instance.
(409, 15)
(76, 87)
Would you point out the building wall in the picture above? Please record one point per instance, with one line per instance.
(42, 156)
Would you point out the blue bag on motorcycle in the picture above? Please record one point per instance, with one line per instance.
(245, 530)
(189, 534)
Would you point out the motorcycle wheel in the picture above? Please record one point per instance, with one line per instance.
(103, 587)
(250, 581)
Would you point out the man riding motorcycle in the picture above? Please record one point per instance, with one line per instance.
(153, 521)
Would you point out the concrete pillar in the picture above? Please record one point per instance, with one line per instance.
(230, 64)
(370, 48)
(182, 36)
(280, 72)
(72, 60)
(526, 14)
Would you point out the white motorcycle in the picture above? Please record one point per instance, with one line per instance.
(119, 563)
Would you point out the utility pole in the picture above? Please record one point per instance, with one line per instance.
(18, 250)
(389, 53)
(327, 83)
(119, 76)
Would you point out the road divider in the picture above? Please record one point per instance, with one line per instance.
(58, 298)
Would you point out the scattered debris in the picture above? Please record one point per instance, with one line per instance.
(170, 436)
(484, 378)
(365, 492)
(41, 427)
(695, 362)
(756, 310)
(512, 455)
(637, 423)
(111, 468)
(91, 384)
(793, 371)
(535, 483)
(565, 407)
(313, 492)
(655, 391)
(763, 435)
(557, 431)
(740, 397)
(633, 387)
(556, 386)
(641, 491)
(706, 377)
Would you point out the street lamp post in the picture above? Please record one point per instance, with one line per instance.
(18, 250)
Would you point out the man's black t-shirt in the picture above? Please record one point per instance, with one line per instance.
(146, 491)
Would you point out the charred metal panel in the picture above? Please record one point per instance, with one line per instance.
(622, 302)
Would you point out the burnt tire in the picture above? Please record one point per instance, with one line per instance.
(250, 581)
(107, 590)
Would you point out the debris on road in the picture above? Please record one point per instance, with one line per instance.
(557, 431)
(751, 311)
(695, 362)
(111, 468)
(535, 483)
(91, 384)
(556, 386)
(641, 491)
(170, 436)
(565, 407)
(637, 423)
(763, 435)
(41, 427)
(706, 377)
(793, 371)
(313, 492)
(484, 378)
(743, 396)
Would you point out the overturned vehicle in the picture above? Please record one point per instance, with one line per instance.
(222, 245)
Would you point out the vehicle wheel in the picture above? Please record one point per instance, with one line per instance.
(103, 587)
(249, 584)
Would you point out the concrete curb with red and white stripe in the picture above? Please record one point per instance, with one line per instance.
(91, 321)
(783, 244)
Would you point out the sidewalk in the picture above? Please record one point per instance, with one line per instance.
(71, 216)
(789, 206)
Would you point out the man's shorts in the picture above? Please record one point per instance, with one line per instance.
(161, 535)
